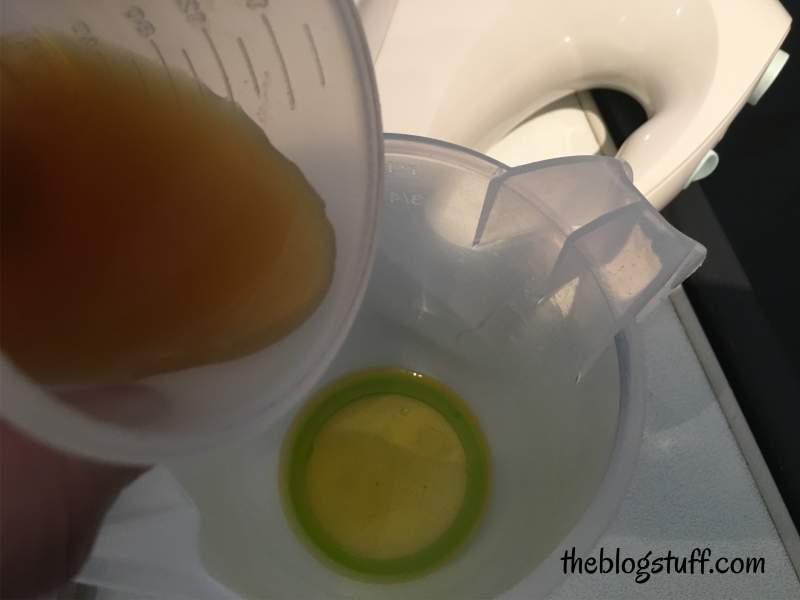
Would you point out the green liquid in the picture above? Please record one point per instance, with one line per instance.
(385, 474)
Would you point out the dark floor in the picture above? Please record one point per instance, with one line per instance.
(747, 294)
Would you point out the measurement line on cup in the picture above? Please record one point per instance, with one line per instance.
(166, 68)
(192, 69)
(281, 61)
(249, 63)
(220, 64)
(315, 52)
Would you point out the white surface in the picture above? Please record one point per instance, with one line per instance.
(691, 489)
(560, 129)
(376, 15)
(470, 71)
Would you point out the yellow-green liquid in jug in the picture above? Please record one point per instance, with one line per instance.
(147, 224)
(385, 474)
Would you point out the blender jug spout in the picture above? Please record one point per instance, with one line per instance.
(605, 253)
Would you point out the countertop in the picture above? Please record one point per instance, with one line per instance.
(692, 488)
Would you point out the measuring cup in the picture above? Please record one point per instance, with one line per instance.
(519, 289)
(301, 71)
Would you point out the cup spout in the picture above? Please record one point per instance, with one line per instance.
(611, 252)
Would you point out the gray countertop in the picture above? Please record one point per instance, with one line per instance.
(692, 488)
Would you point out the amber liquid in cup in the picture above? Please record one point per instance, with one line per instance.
(147, 224)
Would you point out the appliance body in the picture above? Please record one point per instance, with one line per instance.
(469, 72)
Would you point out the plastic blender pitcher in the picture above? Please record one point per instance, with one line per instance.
(518, 288)
(301, 71)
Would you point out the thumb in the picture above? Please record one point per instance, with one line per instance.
(51, 505)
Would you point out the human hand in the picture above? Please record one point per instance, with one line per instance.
(51, 505)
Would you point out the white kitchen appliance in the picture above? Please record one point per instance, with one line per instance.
(470, 71)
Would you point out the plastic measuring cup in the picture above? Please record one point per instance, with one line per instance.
(533, 327)
(300, 70)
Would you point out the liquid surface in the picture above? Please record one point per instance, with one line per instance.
(386, 473)
(147, 225)
(386, 476)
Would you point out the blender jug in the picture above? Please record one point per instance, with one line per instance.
(301, 71)
(517, 288)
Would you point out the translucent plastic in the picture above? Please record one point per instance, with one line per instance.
(602, 251)
(495, 322)
(301, 70)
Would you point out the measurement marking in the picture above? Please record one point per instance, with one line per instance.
(284, 70)
(315, 52)
(266, 83)
(192, 69)
(221, 66)
(249, 64)
(166, 68)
